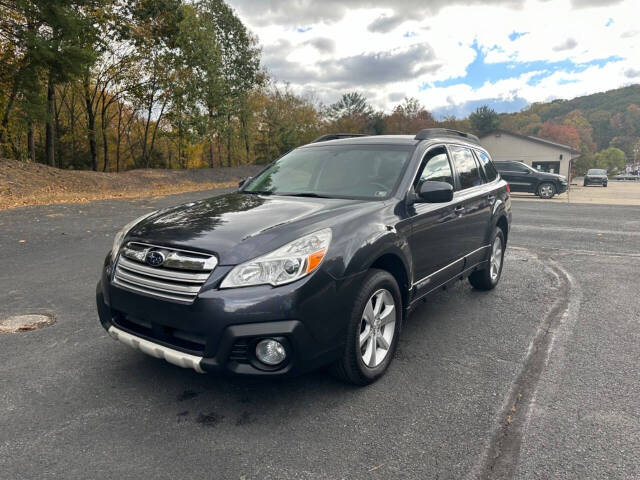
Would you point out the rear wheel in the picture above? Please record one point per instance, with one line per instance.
(488, 277)
(373, 330)
(546, 190)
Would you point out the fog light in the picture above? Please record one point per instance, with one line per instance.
(270, 352)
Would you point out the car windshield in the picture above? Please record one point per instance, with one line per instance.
(369, 172)
(596, 171)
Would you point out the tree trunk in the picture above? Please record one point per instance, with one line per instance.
(31, 144)
(245, 132)
(105, 148)
(155, 130)
(118, 137)
(104, 124)
(212, 136)
(7, 112)
(229, 133)
(57, 128)
(91, 125)
(50, 128)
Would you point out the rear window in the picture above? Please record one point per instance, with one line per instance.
(488, 166)
(511, 167)
(466, 167)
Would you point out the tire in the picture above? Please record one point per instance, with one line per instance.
(488, 278)
(359, 364)
(604, 185)
(584, 184)
(546, 190)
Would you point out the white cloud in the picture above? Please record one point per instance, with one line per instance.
(388, 50)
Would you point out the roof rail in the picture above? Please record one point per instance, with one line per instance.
(336, 136)
(445, 132)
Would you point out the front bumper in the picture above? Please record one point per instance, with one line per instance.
(563, 187)
(595, 181)
(219, 331)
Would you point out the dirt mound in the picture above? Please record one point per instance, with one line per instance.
(24, 184)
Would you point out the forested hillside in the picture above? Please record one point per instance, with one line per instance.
(589, 123)
(113, 85)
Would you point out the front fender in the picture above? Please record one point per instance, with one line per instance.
(384, 242)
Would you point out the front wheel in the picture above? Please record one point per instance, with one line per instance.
(488, 277)
(546, 190)
(373, 330)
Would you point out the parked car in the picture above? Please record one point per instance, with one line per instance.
(315, 261)
(626, 177)
(596, 176)
(522, 178)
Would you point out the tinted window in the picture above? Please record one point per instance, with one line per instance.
(436, 168)
(512, 167)
(345, 171)
(466, 167)
(489, 169)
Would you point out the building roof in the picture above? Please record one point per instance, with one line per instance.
(532, 139)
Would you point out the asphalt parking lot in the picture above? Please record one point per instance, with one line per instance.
(536, 379)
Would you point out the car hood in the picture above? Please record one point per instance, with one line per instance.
(238, 227)
(551, 176)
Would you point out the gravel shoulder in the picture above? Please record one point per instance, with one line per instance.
(617, 193)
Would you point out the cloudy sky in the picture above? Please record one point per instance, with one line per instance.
(453, 55)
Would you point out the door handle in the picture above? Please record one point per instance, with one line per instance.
(459, 209)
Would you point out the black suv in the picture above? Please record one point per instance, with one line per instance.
(596, 176)
(523, 178)
(315, 261)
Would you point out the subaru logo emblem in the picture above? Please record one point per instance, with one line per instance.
(154, 258)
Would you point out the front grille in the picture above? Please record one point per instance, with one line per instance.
(179, 276)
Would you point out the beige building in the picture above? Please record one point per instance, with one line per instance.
(538, 153)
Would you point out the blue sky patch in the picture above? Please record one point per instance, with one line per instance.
(513, 36)
(464, 109)
(609, 22)
(479, 72)
(303, 29)
(409, 34)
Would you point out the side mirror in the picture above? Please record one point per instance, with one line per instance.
(243, 181)
(434, 192)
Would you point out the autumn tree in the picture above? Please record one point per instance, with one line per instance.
(50, 42)
(564, 134)
(409, 117)
(484, 120)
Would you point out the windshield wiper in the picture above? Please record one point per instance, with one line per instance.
(304, 194)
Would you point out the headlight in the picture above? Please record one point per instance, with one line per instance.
(284, 265)
(119, 238)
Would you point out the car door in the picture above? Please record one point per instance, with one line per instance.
(473, 199)
(433, 225)
(518, 176)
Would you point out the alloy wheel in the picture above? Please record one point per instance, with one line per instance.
(546, 191)
(377, 328)
(496, 258)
